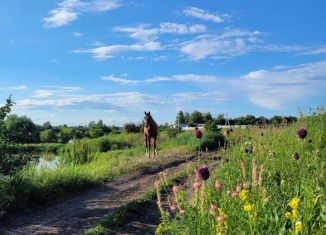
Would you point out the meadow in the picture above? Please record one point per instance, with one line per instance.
(269, 181)
(86, 163)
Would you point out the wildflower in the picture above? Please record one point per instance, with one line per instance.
(244, 195)
(288, 215)
(165, 173)
(246, 185)
(301, 133)
(196, 185)
(173, 207)
(298, 227)
(203, 173)
(218, 185)
(175, 189)
(182, 212)
(212, 209)
(295, 156)
(220, 219)
(198, 134)
(247, 207)
(294, 203)
(226, 133)
(234, 194)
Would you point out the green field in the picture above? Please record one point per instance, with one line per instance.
(273, 183)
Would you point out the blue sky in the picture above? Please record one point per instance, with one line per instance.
(75, 61)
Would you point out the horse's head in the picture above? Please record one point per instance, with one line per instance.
(147, 119)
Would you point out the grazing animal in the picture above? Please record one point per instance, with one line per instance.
(150, 131)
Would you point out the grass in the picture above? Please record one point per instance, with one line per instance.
(263, 192)
(31, 187)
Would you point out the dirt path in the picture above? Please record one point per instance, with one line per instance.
(82, 211)
(145, 221)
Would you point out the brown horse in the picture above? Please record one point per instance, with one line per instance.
(150, 131)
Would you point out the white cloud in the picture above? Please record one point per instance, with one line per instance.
(316, 51)
(183, 78)
(15, 88)
(107, 52)
(178, 77)
(276, 89)
(54, 91)
(215, 47)
(77, 34)
(120, 80)
(204, 15)
(69, 10)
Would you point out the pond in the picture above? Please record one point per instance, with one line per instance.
(51, 163)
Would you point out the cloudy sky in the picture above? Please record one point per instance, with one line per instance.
(75, 61)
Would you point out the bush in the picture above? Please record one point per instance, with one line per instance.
(211, 140)
(172, 132)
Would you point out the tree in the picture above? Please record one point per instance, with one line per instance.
(276, 120)
(131, 127)
(47, 136)
(196, 117)
(220, 120)
(65, 134)
(180, 118)
(21, 129)
(208, 117)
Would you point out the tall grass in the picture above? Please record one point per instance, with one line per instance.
(87, 164)
(268, 191)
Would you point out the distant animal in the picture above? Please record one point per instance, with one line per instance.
(150, 132)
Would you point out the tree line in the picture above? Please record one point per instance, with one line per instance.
(199, 117)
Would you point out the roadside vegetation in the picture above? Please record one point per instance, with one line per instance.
(273, 183)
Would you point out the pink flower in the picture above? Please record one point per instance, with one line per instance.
(212, 209)
(220, 219)
(175, 189)
(196, 185)
(173, 207)
(301, 133)
(218, 185)
(234, 194)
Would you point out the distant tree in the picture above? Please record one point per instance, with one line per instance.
(46, 125)
(262, 120)
(48, 136)
(187, 117)
(131, 128)
(208, 117)
(196, 117)
(220, 120)
(65, 134)
(276, 120)
(95, 130)
(21, 129)
(180, 118)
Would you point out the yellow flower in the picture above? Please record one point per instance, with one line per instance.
(288, 215)
(294, 214)
(247, 207)
(294, 203)
(244, 195)
(298, 227)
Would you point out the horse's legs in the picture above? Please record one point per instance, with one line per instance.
(155, 150)
(146, 143)
(149, 146)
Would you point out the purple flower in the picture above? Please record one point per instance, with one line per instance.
(302, 133)
(198, 134)
(203, 173)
